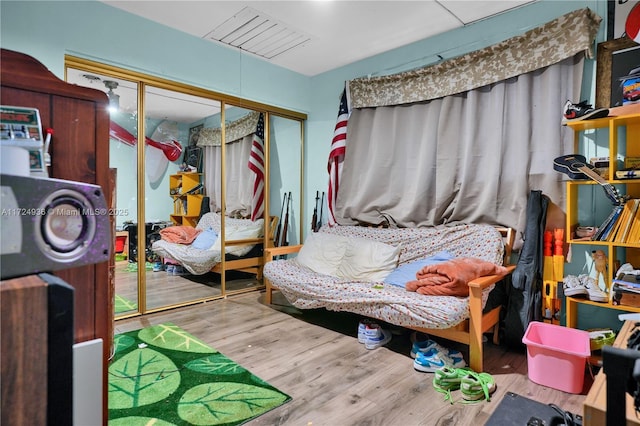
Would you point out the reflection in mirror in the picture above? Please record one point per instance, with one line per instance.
(123, 158)
(285, 190)
(229, 170)
(175, 191)
(184, 184)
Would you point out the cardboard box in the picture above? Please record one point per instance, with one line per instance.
(625, 297)
(632, 162)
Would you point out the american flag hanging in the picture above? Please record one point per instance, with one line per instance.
(256, 164)
(336, 156)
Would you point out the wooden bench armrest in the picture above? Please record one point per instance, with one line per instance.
(272, 252)
(484, 282)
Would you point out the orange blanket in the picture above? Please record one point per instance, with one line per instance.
(450, 278)
(179, 234)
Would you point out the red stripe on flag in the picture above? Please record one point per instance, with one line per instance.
(336, 157)
(256, 165)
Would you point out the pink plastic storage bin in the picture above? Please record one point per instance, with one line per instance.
(556, 355)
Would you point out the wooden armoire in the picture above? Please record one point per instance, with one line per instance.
(79, 152)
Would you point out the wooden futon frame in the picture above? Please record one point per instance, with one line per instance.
(252, 265)
(468, 332)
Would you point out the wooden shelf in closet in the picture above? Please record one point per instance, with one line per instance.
(186, 191)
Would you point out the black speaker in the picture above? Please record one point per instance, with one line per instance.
(60, 339)
(51, 224)
(36, 346)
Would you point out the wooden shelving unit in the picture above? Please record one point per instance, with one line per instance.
(623, 126)
(186, 191)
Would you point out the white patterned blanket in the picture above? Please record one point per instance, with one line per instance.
(306, 289)
(198, 261)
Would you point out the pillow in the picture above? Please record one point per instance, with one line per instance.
(205, 239)
(322, 253)
(407, 272)
(244, 233)
(367, 260)
(251, 230)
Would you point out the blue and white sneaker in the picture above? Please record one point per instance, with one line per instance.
(179, 271)
(375, 336)
(426, 345)
(432, 360)
(362, 325)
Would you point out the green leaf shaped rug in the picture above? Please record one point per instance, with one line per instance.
(162, 375)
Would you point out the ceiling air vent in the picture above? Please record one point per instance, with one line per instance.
(257, 33)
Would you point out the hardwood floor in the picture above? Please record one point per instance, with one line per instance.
(314, 356)
(168, 290)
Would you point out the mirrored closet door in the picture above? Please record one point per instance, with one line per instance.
(123, 165)
(181, 161)
(243, 205)
(174, 193)
(285, 178)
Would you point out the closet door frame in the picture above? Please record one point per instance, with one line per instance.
(144, 80)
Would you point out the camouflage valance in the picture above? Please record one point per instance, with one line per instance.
(538, 48)
(235, 130)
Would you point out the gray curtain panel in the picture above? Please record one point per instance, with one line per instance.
(471, 157)
(239, 177)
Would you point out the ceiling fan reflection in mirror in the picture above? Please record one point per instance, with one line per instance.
(156, 162)
(114, 99)
(171, 148)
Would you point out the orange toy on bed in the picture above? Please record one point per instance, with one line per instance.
(450, 278)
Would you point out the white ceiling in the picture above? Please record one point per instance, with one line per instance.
(334, 33)
(325, 34)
